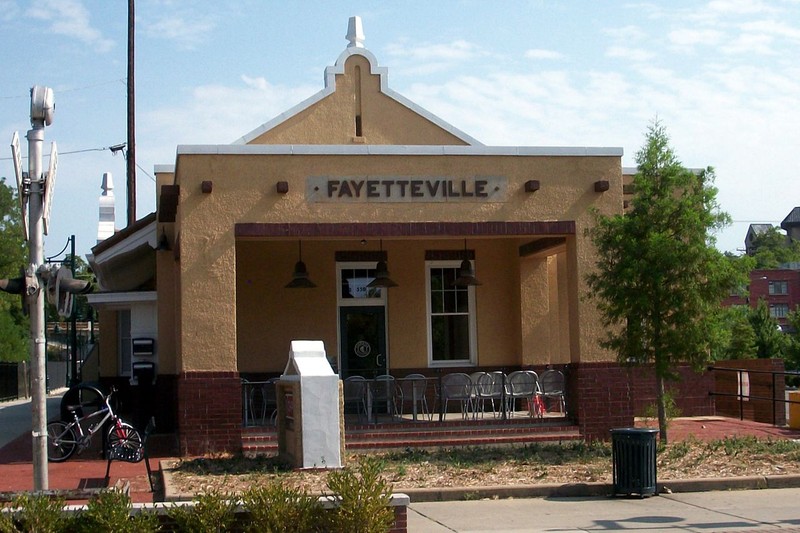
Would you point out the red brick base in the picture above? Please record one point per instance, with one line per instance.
(609, 395)
(209, 412)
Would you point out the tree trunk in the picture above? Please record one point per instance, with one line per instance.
(662, 411)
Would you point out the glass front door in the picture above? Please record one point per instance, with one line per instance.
(363, 341)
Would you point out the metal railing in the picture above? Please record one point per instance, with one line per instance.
(744, 384)
(411, 397)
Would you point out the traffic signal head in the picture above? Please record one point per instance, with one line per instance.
(60, 288)
(22, 286)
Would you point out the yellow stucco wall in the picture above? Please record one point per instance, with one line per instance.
(244, 191)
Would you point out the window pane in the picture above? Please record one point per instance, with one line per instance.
(462, 300)
(437, 283)
(450, 337)
(355, 281)
(450, 301)
(437, 302)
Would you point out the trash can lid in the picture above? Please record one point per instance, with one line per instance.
(633, 430)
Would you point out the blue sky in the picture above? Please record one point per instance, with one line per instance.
(722, 75)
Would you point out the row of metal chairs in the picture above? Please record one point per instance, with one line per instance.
(502, 392)
(390, 395)
(474, 392)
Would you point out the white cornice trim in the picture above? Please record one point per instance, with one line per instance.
(383, 149)
(120, 298)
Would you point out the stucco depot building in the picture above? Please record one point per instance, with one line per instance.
(282, 234)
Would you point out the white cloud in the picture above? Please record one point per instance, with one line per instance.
(538, 53)
(629, 33)
(70, 18)
(740, 7)
(215, 114)
(446, 53)
(186, 31)
(628, 53)
(693, 37)
(8, 9)
(749, 43)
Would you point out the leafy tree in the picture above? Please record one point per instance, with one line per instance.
(737, 338)
(793, 343)
(770, 341)
(13, 256)
(659, 279)
(773, 248)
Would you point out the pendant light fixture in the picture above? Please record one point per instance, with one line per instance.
(300, 275)
(381, 278)
(466, 274)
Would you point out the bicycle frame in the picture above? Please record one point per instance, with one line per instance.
(84, 437)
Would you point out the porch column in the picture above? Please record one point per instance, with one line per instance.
(535, 310)
(209, 387)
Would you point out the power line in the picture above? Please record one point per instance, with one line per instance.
(102, 149)
(124, 81)
(113, 149)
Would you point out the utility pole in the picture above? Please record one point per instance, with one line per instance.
(131, 154)
(42, 108)
(35, 191)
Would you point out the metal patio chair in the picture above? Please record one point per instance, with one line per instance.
(457, 387)
(552, 389)
(523, 385)
(385, 393)
(355, 393)
(413, 388)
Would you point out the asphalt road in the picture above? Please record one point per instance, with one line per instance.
(16, 416)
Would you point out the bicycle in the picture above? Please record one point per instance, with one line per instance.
(64, 438)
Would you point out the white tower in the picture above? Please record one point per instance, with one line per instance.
(105, 226)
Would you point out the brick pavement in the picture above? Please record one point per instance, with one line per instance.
(88, 469)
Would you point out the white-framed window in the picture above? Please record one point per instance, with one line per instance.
(779, 310)
(779, 287)
(352, 279)
(452, 328)
(124, 339)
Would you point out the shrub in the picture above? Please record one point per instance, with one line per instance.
(212, 511)
(277, 508)
(110, 512)
(363, 497)
(36, 513)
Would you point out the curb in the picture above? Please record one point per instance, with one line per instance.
(549, 490)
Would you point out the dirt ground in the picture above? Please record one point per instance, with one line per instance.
(687, 459)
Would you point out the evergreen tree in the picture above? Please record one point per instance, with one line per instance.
(770, 341)
(659, 279)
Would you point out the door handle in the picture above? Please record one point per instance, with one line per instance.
(378, 359)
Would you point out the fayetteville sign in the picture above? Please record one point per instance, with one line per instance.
(406, 189)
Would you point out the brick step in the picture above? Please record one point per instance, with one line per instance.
(434, 441)
(465, 431)
(427, 435)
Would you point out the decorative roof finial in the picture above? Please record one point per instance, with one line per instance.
(355, 33)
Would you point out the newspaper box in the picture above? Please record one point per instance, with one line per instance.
(310, 419)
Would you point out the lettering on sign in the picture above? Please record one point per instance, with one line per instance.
(406, 189)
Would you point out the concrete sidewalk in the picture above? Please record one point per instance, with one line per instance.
(735, 511)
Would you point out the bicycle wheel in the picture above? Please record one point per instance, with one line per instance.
(61, 441)
(125, 437)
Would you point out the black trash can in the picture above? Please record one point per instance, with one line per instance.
(633, 452)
